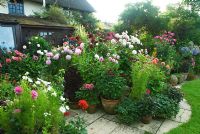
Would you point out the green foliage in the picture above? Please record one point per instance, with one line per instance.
(127, 111)
(36, 43)
(91, 96)
(6, 89)
(27, 115)
(146, 106)
(195, 4)
(76, 126)
(110, 86)
(165, 107)
(54, 14)
(174, 94)
(139, 15)
(192, 94)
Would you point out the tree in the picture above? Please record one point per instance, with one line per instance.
(142, 15)
(195, 4)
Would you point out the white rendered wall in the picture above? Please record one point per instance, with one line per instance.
(29, 8)
(4, 9)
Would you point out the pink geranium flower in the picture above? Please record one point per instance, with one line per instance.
(88, 86)
(18, 90)
(34, 94)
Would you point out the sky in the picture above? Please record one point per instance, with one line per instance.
(109, 10)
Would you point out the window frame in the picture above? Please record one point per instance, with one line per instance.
(16, 8)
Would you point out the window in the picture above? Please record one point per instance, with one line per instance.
(16, 7)
(7, 38)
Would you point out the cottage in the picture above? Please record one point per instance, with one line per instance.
(16, 25)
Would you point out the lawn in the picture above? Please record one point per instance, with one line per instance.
(192, 95)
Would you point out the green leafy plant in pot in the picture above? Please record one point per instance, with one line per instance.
(146, 108)
(110, 87)
(88, 93)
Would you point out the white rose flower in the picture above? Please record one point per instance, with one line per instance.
(30, 80)
(68, 57)
(62, 109)
(131, 46)
(118, 57)
(97, 44)
(62, 98)
(96, 56)
(36, 37)
(45, 51)
(29, 42)
(24, 77)
(38, 82)
(67, 108)
(38, 45)
(134, 52)
(54, 94)
(108, 54)
(113, 41)
(24, 47)
(117, 35)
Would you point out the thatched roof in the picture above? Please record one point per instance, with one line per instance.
(31, 22)
(81, 5)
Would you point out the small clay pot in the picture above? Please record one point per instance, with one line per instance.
(109, 105)
(146, 119)
(92, 109)
(74, 105)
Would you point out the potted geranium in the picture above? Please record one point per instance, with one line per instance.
(110, 87)
(88, 93)
(146, 108)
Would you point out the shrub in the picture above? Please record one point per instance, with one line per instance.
(174, 94)
(111, 86)
(165, 107)
(127, 111)
(146, 106)
(32, 111)
(6, 92)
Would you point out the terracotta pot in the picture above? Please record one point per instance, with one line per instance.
(92, 109)
(74, 105)
(146, 119)
(109, 105)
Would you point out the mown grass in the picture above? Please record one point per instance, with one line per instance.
(192, 95)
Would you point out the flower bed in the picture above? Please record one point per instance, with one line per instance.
(118, 73)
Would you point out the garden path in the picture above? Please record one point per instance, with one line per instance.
(102, 123)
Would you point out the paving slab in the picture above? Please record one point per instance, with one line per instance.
(167, 125)
(183, 116)
(102, 126)
(152, 127)
(184, 105)
(122, 129)
(111, 118)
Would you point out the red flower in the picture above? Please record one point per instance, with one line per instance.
(18, 53)
(8, 60)
(148, 91)
(66, 114)
(83, 104)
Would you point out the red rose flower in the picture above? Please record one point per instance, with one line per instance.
(83, 104)
(148, 91)
(8, 60)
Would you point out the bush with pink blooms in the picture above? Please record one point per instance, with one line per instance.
(32, 110)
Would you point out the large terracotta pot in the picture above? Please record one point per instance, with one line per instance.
(109, 105)
(146, 119)
(92, 109)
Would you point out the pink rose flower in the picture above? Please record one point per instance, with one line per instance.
(18, 90)
(56, 57)
(34, 94)
(78, 51)
(48, 62)
(8, 60)
(17, 111)
(101, 59)
(49, 54)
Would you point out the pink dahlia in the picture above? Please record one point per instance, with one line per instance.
(18, 90)
(34, 94)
